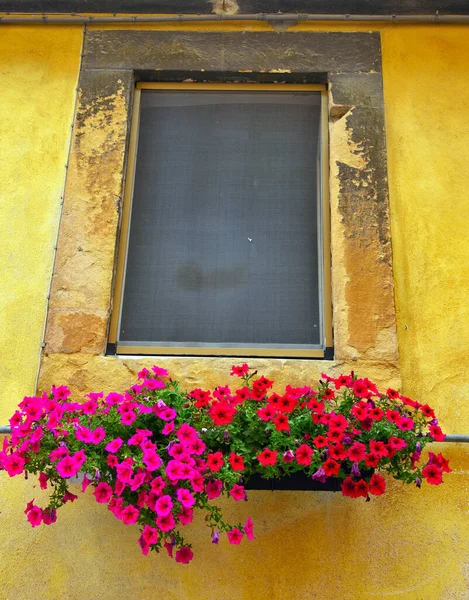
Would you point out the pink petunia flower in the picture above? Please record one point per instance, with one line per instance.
(129, 515)
(237, 492)
(186, 516)
(114, 445)
(151, 460)
(163, 505)
(103, 492)
(249, 528)
(185, 497)
(67, 467)
(213, 489)
(165, 523)
(184, 555)
(235, 536)
(34, 516)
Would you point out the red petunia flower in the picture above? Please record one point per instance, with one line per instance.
(360, 411)
(201, 397)
(331, 467)
(360, 388)
(343, 381)
(242, 394)
(361, 488)
(392, 394)
(320, 441)
(433, 474)
(315, 406)
(377, 485)
(222, 413)
(287, 404)
(281, 422)
(239, 371)
(267, 457)
(348, 487)
(337, 452)
(427, 411)
(357, 452)
(303, 454)
(236, 461)
(267, 413)
(436, 433)
(372, 460)
(328, 394)
(215, 461)
(378, 448)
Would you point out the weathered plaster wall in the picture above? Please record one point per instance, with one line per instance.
(38, 76)
(410, 544)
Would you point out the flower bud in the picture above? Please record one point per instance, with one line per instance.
(418, 447)
(319, 475)
(288, 456)
(216, 536)
(355, 470)
(226, 436)
(418, 482)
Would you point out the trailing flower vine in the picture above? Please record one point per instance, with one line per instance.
(155, 453)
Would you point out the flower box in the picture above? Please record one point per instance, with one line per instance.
(298, 482)
(154, 454)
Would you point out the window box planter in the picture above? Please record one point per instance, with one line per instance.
(155, 454)
(295, 482)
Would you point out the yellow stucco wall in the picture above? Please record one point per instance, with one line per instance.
(409, 544)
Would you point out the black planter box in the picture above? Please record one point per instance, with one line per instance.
(295, 482)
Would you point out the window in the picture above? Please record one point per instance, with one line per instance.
(224, 246)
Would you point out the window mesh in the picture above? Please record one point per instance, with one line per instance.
(223, 243)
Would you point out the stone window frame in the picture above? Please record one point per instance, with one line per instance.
(349, 63)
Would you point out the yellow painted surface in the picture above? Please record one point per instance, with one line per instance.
(411, 544)
(38, 75)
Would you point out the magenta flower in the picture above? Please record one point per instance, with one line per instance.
(165, 523)
(185, 497)
(235, 536)
(34, 516)
(249, 528)
(85, 483)
(49, 515)
(98, 435)
(128, 417)
(157, 485)
(129, 515)
(163, 505)
(237, 492)
(13, 464)
(154, 384)
(168, 428)
(150, 535)
(114, 445)
(186, 516)
(167, 414)
(184, 555)
(159, 371)
(213, 489)
(151, 460)
(103, 492)
(43, 481)
(319, 475)
(67, 467)
(69, 497)
(186, 434)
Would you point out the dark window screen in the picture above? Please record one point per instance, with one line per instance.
(223, 246)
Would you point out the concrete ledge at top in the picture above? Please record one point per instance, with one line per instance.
(296, 52)
(244, 6)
